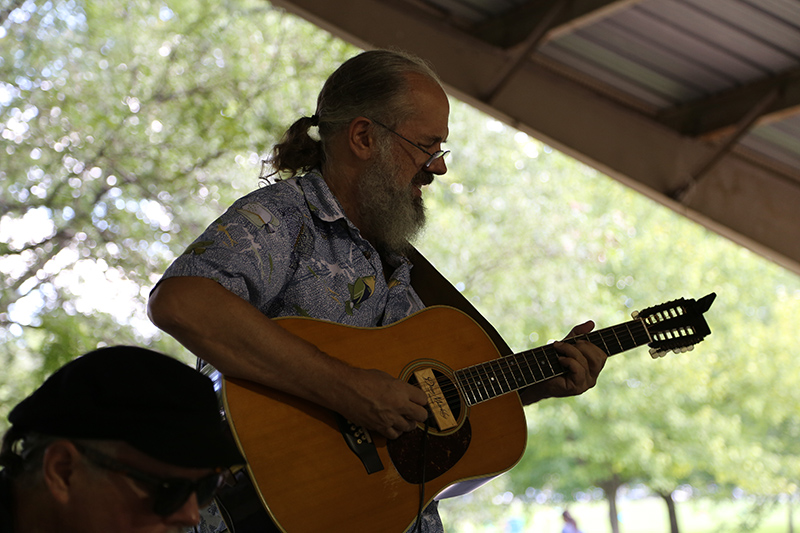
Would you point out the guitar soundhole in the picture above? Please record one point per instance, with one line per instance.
(416, 455)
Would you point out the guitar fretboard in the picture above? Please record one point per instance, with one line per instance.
(488, 380)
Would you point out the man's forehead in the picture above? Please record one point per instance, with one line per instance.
(434, 138)
(431, 108)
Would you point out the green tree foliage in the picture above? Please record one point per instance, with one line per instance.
(125, 128)
(539, 243)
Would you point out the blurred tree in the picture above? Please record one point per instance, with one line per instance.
(540, 242)
(125, 128)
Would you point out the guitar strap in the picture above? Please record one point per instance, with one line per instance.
(434, 289)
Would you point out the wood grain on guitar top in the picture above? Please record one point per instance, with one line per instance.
(298, 459)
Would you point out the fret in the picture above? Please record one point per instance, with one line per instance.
(547, 368)
(512, 373)
(504, 375)
(600, 337)
(475, 384)
(468, 384)
(499, 376)
(468, 387)
(500, 373)
(479, 384)
(647, 337)
(491, 379)
(616, 337)
(530, 377)
(516, 372)
(633, 344)
(555, 366)
(457, 375)
(536, 369)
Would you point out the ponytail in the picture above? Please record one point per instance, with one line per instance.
(297, 150)
(372, 84)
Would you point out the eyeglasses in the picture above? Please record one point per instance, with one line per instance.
(168, 494)
(433, 156)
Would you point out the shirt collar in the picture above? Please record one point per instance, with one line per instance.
(324, 205)
(321, 201)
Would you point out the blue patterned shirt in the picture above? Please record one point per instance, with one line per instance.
(289, 250)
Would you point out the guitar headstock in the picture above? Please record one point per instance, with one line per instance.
(677, 325)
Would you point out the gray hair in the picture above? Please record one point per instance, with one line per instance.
(373, 84)
(21, 453)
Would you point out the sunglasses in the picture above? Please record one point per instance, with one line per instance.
(168, 494)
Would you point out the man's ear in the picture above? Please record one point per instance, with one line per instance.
(360, 138)
(58, 468)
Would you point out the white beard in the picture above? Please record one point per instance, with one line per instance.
(391, 215)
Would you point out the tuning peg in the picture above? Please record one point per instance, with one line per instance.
(655, 354)
(635, 314)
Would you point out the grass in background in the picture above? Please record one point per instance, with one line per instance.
(647, 515)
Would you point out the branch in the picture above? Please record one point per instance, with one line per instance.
(4, 14)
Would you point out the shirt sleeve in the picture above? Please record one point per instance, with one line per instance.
(249, 250)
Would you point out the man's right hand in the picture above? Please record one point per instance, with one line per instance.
(239, 341)
(382, 403)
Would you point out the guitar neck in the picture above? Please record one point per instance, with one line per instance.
(500, 376)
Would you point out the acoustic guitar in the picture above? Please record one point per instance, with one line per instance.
(313, 471)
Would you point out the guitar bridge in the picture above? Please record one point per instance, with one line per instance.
(360, 443)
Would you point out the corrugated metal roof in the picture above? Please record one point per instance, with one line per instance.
(666, 53)
(660, 54)
(677, 51)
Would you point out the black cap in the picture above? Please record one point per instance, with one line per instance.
(158, 405)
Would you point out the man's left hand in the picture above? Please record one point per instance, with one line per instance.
(582, 362)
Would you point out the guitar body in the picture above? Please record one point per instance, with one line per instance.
(307, 477)
(314, 471)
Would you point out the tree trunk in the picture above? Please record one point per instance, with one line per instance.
(610, 487)
(673, 515)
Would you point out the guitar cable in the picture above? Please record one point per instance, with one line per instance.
(418, 526)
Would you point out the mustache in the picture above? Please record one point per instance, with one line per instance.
(423, 178)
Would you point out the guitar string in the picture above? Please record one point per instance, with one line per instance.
(547, 350)
(508, 368)
(485, 375)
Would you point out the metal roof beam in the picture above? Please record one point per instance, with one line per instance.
(717, 116)
(515, 25)
(519, 56)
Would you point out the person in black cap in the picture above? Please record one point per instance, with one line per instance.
(122, 439)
